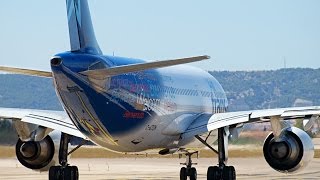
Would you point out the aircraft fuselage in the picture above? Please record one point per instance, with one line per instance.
(135, 111)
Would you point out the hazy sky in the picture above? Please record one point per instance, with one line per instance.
(238, 35)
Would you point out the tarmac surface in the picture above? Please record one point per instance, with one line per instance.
(156, 169)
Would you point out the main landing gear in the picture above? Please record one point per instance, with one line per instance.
(64, 171)
(188, 171)
(220, 172)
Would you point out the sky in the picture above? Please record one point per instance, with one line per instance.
(238, 35)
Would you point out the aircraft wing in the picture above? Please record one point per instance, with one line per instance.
(26, 71)
(205, 123)
(57, 120)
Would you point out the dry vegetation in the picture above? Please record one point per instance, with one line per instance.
(7, 151)
(96, 152)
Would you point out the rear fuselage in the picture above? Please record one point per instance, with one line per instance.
(135, 111)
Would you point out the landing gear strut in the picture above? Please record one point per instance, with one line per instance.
(64, 171)
(188, 171)
(220, 172)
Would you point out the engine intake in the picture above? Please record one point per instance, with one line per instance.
(35, 154)
(291, 152)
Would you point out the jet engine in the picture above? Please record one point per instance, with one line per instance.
(39, 155)
(289, 152)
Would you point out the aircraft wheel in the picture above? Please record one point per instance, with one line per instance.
(66, 173)
(193, 174)
(55, 173)
(229, 173)
(183, 173)
(71, 173)
(213, 173)
(75, 172)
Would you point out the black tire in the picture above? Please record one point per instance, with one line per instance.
(193, 174)
(229, 173)
(55, 173)
(75, 172)
(213, 173)
(183, 173)
(71, 173)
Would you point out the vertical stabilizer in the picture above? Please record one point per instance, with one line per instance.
(81, 31)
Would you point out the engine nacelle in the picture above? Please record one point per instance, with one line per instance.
(292, 151)
(39, 155)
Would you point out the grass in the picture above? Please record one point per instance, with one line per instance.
(7, 151)
(95, 152)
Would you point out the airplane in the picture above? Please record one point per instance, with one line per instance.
(131, 105)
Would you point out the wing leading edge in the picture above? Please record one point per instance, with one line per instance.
(205, 124)
(57, 120)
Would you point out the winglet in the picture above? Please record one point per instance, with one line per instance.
(82, 37)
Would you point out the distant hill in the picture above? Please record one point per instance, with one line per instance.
(19, 91)
(270, 89)
(245, 89)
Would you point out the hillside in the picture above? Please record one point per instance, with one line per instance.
(20, 91)
(270, 89)
(245, 89)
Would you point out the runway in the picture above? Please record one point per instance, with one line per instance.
(155, 169)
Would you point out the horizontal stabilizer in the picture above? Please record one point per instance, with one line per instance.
(113, 71)
(26, 71)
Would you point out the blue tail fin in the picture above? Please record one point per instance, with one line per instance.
(81, 31)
